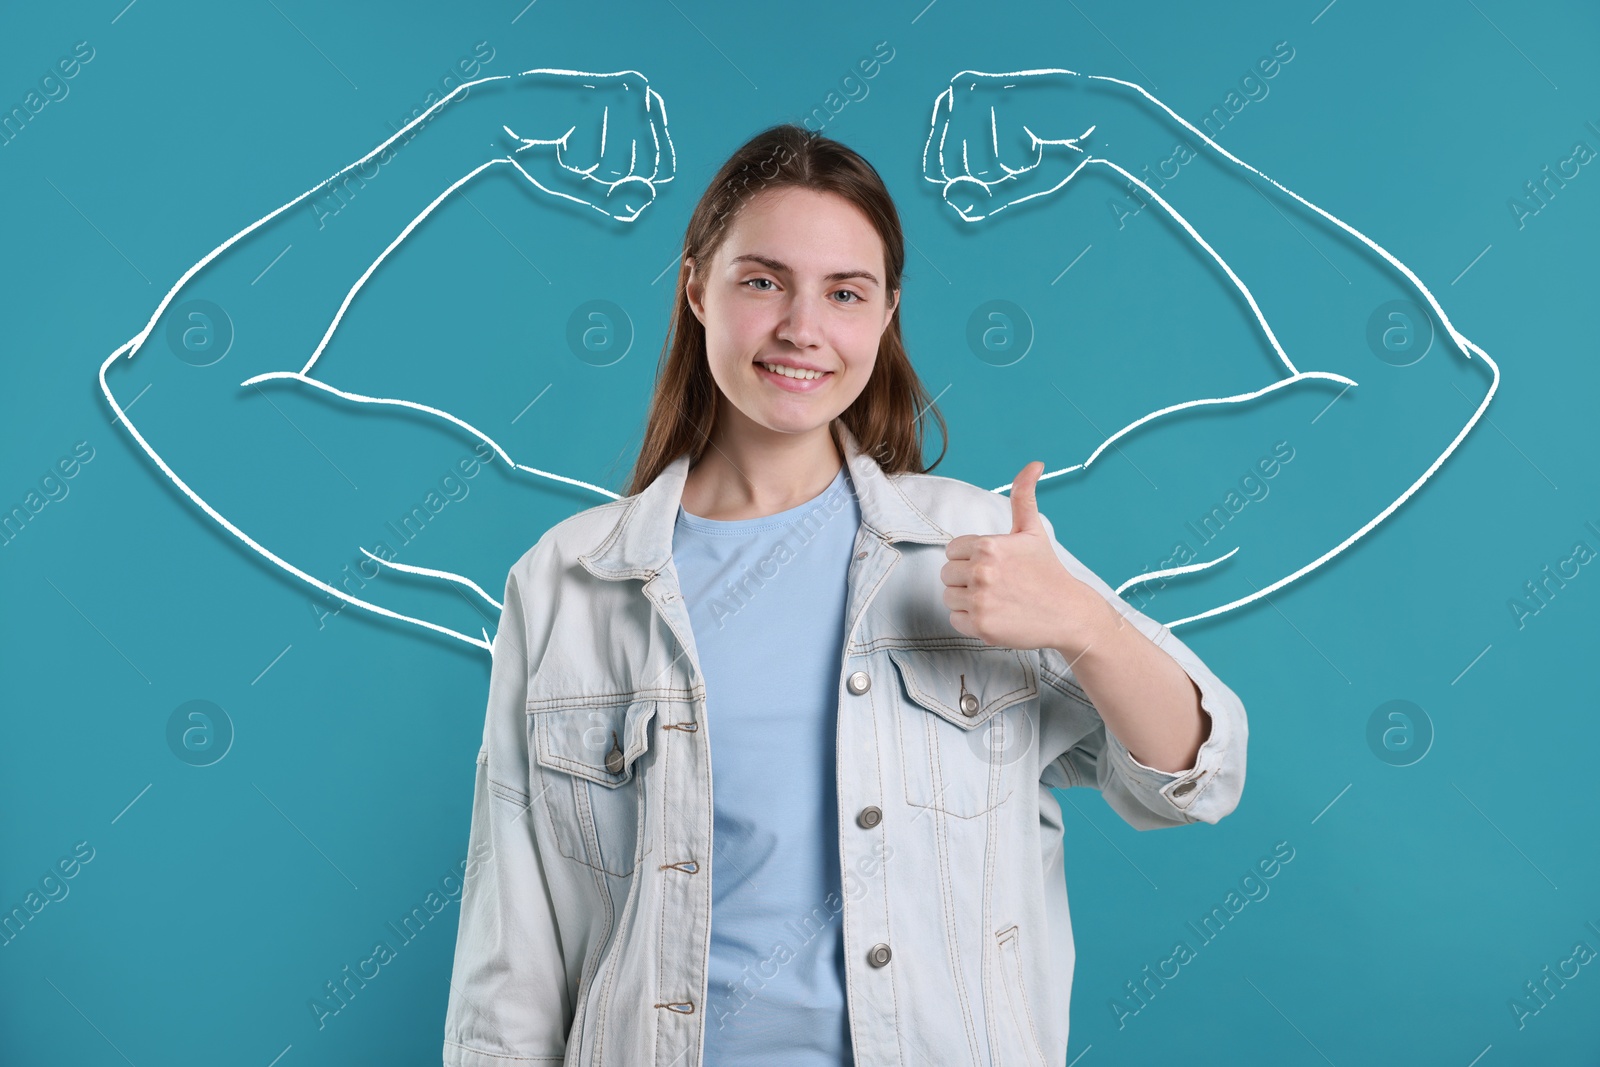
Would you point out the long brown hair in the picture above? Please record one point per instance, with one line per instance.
(887, 419)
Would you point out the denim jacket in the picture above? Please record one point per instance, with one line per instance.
(586, 912)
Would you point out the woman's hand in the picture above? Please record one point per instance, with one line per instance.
(1013, 591)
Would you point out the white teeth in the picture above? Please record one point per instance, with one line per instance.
(791, 372)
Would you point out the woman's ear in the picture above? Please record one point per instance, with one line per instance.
(694, 290)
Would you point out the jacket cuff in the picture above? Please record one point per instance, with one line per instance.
(1206, 791)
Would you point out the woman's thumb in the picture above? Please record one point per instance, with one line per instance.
(1024, 502)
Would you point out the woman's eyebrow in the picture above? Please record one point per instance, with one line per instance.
(774, 265)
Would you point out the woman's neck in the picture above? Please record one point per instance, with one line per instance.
(748, 475)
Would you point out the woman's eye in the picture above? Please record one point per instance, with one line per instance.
(855, 297)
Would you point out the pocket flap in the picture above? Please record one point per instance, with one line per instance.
(965, 686)
(599, 742)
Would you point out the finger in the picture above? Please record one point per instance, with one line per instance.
(957, 599)
(961, 547)
(957, 573)
(1024, 500)
(962, 623)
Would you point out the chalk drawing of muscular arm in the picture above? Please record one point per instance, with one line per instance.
(589, 142)
(1004, 144)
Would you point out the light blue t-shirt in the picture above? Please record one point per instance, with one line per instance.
(766, 599)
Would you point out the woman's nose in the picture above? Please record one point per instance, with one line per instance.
(802, 323)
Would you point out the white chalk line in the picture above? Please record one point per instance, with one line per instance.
(1169, 572)
(135, 344)
(429, 572)
(1464, 345)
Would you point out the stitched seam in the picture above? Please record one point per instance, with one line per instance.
(986, 959)
(636, 875)
(1163, 792)
(894, 993)
(869, 595)
(1063, 683)
(538, 705)
(586, 824)
(584, 821)
(591, 965)
(931, 804)
(506, 792)
(942, 844)
(586, 771)
(1067, 770)
(934, 765)
(1027, 1007)
(555, 829)
(894, 485)
(1014, 939)
(997, 703)
(503, 1056)
(929, 643)
(616, 957)
(1199, 790)
(846, 930)
(628, 507)
(665, 887)
(705, 913)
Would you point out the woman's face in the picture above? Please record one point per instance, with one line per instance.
(798, 282)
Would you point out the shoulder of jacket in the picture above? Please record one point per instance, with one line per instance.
(958, 506)
(574, 535)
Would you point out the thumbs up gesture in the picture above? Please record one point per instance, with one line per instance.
(1011, 590)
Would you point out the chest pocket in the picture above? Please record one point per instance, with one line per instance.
(966, 714)
(589, 782)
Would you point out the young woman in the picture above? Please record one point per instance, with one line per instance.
(770, 740)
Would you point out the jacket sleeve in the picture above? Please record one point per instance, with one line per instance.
(1147, 798)
(508, 992)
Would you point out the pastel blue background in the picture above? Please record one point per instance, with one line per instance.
(220, 899)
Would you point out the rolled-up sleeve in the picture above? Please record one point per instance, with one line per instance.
(1147, 798)
(508, 992)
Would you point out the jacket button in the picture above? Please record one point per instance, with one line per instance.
(859, 683)
(614, 760)
(969, 704)
(1183, 788)
(879, 955)
(870, 816)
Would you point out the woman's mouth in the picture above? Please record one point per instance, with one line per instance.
(793, 379)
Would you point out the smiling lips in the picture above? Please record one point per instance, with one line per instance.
(793, 379)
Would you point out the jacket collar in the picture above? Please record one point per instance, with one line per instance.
(639, 543)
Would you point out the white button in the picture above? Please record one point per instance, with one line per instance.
(859, 682)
